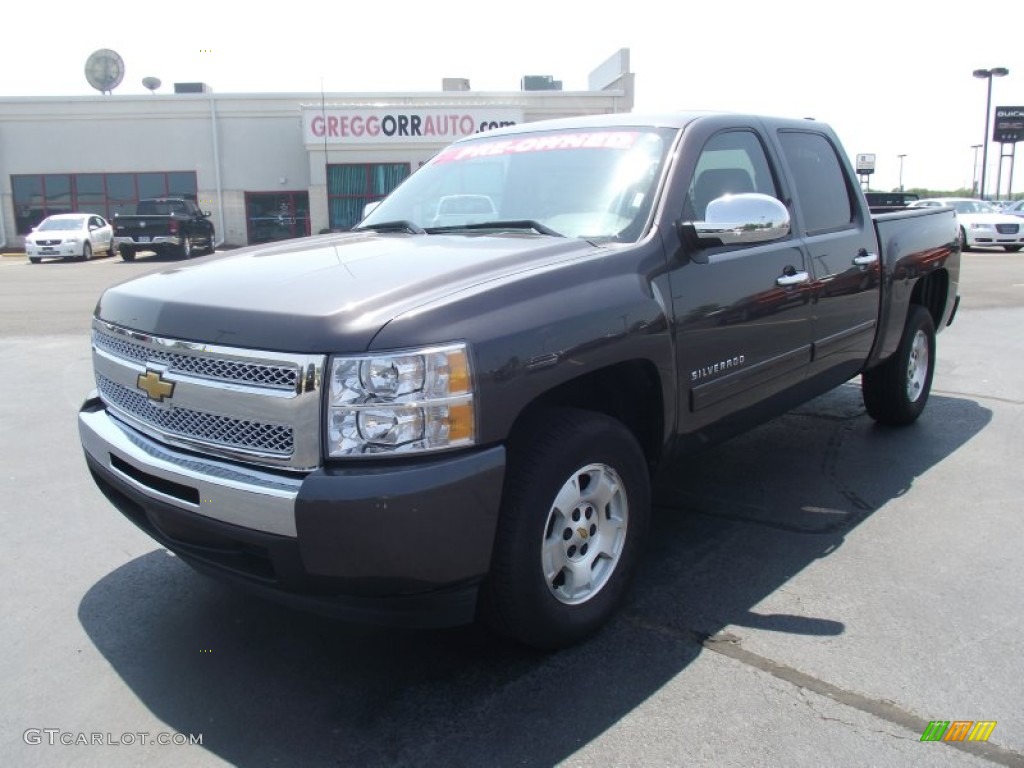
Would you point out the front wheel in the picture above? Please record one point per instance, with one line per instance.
(574, 517)
(963, 240)
(34, 259)
(896, 391)
(86, 252)
(1013, 248)
(128, 254)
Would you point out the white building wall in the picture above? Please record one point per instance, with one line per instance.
(235, 143)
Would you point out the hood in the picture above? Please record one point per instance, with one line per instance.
(320, 294)
(988, 218)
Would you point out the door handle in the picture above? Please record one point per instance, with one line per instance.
(794, 279)
(863, 258)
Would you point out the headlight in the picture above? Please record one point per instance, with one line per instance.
(405, 402)
(981, 226)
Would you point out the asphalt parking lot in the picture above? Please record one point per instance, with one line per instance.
(816, 592)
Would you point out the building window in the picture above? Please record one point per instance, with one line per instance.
(351, 186)
(37, 196)
(276, 215)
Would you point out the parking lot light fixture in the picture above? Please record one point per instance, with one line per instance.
(974, 170)
(988, 74)
(901, 172)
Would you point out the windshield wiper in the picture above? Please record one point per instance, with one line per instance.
(399, 225)
(536, 226)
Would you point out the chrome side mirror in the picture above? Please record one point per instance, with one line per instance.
(749, 217)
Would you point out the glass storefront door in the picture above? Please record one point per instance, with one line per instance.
(276, 215)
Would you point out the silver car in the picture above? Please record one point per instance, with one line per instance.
(74, 235)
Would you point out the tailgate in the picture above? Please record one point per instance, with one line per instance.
(134, 226)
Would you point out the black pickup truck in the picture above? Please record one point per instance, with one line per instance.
(171, 226)
(456, 410)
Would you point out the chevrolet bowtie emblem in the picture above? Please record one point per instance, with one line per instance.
(153, 385)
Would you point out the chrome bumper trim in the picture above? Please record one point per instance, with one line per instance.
(238, 495)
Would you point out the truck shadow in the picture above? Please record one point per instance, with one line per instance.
(265, 685)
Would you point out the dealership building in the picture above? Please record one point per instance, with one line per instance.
(266, 166)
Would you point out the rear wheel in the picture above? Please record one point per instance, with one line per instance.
(897, 391)
(128, 254)
(185, 249)
(574, 517)
(1013, 248)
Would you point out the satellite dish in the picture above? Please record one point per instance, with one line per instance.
(151, 83)
(104, 69)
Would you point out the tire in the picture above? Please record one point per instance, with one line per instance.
(86, 252)
(896, 392)
(34, 259)
(1013, 248)
(128, 254)
(185, 249)
(963, 240)
(552, 527)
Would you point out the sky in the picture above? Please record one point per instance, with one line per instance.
(890, 77)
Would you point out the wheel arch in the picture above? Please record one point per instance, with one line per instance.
(629, 392)
(932, 293)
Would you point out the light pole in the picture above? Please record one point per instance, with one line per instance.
(974, 170)
(988, 74)
(901, 172)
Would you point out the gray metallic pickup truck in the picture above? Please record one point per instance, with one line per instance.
(455, 410)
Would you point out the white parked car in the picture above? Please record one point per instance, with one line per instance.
(981, 224)
(78, 235)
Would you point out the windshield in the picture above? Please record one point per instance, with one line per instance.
(972, 206)
(597, 185)
(61, 225)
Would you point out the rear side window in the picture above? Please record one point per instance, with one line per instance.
(821, 186)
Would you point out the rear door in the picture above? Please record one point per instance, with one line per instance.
(844, 258)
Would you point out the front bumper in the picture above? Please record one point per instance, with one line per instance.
(400, 544)
(61, 251)
(990, 238)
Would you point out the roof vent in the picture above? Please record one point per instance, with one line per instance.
(192, 88)
(541, 83)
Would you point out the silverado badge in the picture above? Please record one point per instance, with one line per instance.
(153, 384)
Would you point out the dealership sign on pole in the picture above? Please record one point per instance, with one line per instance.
(1009, 126)
(865, 165)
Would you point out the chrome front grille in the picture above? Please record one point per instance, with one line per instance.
(1007, 229)
(196, 425)
(282, 377)
(252, 406)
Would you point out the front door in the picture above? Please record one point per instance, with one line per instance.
(742, 312)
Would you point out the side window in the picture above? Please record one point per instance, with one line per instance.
(730, 163)
(819, 181)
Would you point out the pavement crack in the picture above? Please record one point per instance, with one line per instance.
(728, 644)
(976, 396)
